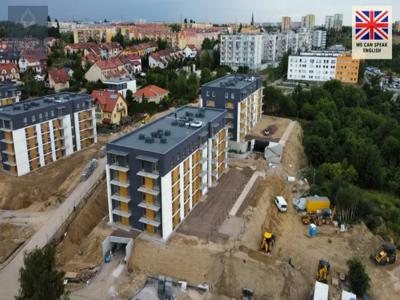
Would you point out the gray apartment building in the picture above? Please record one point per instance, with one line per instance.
(37, 132)
(158, 173)
(10, 93)
(241, 96)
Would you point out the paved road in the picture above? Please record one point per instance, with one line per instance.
(10, 273)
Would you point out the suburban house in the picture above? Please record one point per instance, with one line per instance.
(110, 107)
(121, 85)
(107, 69)
(141, 49)
(132, 62)
(162, 58)
(151, 93)
(108, 50)
(58, 79)
(9, 71)
(190, 51)
(34, 60)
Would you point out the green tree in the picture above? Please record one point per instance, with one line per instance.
(205, 75)
(358, 277)
(38, 278)
(119, 38)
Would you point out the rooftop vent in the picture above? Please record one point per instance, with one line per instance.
(189, 114)
(142, 136)
(163, 140)
(174, 123)
(154, 134)
(149, 140)
(167, 132)
(181, 123)
(196, 124)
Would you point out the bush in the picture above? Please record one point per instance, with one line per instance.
(359, 279)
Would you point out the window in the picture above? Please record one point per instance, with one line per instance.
(52, 113)
(33, 118)
(208, 93)
(25, 120)
(46, 114)
(213, 94)
(40, 116)
(226, 95)
(211, 103)
(233, 95)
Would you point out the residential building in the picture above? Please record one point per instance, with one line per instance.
(132, 62)
(121, 85)
(151, 93)
(110, 107)
(347, 69)
(37, 132)
(109, 50)
(161, 59)
(157, 174)
(10, 93)
(141, 49)
(286, 24)
(7, 57)
(242, 50)
(190, 51)
(308, 21)
(241, 96)
(319, 39)
(36, 60)
(58, 79)
(9, 71)
(329, 22)
(97, 33)
(323, 66)
(196, 36)
(153, 32)
(105, 70)
(338, 22)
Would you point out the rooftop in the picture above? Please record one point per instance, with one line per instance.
(43, 102)
(232, 81)
(173, 131)
(150, 91)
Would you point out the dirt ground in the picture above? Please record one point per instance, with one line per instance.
(267, 121)
(11, 237)
(81, 247)
(47, 185)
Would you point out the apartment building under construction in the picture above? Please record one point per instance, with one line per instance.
(37, 132)
(241, 96)
(157, 174)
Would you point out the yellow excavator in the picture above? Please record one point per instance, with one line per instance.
(268, 240)
(323, 271)
(385, 255)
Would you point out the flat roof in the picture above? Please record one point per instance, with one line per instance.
(174, 130)
(10, 86)
(40, 103)
(236, 81)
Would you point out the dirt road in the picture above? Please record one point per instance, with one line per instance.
(9, 274)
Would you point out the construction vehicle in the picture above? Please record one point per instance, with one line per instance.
(385, 255)
(268, 240)
(323, 271)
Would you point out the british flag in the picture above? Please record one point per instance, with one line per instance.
(372, 25)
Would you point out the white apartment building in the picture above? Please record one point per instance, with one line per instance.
(313, 66)
(37, 132)
(338, 22)
(319, 39)
(242, 50)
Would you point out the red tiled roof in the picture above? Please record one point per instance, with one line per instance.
(8, 67)
(107, 99)
(59, 75)
(191, 46)
(151, 91)
(109, 64)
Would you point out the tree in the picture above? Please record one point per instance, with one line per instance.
(39, 279)
(205, 75)
(119, 38)
(358, 277)
(240, 28)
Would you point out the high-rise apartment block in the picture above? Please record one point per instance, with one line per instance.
(308, 21)
(319, 39)
(329, 21)
(338, 22)
(157, 174)
(241, 96)
(286, 24)
(37, 132)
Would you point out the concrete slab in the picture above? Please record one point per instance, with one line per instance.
(233, 226)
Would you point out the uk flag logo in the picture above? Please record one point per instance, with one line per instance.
(372, 25)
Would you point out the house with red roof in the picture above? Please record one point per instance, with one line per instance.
(110, 107)
(9, 71)
(58, 79)
(162, 58)
(104, 70)
(151, 93)
(36, 60)
(190, 51)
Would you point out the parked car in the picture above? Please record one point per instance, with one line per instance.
(281, 203)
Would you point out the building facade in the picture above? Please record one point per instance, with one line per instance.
(157, 174)
(241, 96)
(286, 24)
(323, 66)
(10, 93)
(37, 132)
(308, 21)
(110, 107)
(338, 22)
(319, 39)
(98, 33)
(242, 50)
(329, 21)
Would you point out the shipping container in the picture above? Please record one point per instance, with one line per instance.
(316, 203)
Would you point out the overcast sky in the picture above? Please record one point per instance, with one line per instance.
(199, 10)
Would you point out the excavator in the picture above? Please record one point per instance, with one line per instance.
(323, 271)
(385, 255)
(267, 242)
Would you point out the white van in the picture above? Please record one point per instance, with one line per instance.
(281, 203)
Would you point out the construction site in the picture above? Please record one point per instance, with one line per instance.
(216, 250)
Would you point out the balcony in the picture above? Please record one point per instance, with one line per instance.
(144, 220)
(121, 213)
(119, 168)
(146, 190)
(7, 141)
(154, 207)
(120, 183)
(9, 163)
(120, 198)
(152, 175)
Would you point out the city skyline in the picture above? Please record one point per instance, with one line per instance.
(222, 11)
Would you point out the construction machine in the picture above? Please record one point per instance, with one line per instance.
(385, 255)
(267, 242)
(323, 271)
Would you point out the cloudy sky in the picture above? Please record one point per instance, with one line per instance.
(199, 10)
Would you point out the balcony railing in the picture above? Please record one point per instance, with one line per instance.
(120, 168)
(153, 222)
(154, 207)
(118, 197)
(125, 214)
(155, 191)
(152, 175)
(120, 183)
